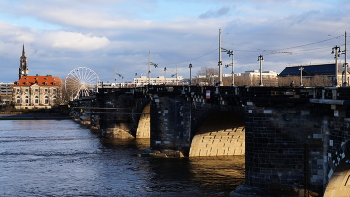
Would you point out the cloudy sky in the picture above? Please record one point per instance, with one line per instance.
(61, 35)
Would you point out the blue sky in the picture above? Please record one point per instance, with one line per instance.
(60, 35)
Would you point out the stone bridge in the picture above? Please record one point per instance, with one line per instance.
(292, 138)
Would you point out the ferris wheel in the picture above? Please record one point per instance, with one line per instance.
(81, 82)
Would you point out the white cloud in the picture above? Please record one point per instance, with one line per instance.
(73, 40)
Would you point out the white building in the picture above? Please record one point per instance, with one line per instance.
(256, 73)
(254, 76)
(160, 80)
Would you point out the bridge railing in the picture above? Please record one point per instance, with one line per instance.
(333, 93)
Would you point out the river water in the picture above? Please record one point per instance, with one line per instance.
(61, 158)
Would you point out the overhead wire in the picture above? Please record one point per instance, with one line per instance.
(275, 52)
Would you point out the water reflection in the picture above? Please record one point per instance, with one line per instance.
(60, 158)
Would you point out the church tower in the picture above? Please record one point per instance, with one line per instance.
(23, 68)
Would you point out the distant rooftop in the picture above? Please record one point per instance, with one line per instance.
(323, 69)
(40, 80)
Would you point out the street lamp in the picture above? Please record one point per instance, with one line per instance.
(260, 59)
(336, 51)
(190, 66)
(301, 75)
(165, 76)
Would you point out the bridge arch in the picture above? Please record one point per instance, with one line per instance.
(143, 129)
(338, 172)
(220, 133)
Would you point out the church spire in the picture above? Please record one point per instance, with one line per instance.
(23, 68)
(23, 52)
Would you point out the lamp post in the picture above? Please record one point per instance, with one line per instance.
(260, 59)
(190, 66)
(165, 76)
(336, 51)
(301, 75)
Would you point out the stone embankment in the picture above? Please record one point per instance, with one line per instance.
(33, 116)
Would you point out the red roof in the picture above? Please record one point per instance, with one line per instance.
(40, 80)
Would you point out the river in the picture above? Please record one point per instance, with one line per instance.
(62, 158)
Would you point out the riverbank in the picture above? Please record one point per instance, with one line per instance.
(33, 116)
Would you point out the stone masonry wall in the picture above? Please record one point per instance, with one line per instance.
(170, 124)
(278, 140)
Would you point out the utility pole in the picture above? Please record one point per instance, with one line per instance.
(220, 61)
(260, 59)
(233, 73)
(149, 68)
(229, 52)
(336, 51)
(346, 66)
(301, 75)
(115, 74)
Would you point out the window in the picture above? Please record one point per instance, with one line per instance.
(46, 100)
(36, 100)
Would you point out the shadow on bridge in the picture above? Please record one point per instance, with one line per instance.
(220, 134)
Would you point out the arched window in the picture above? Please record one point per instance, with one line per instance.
(18, 99)
(46, 100)
(36, 100)
(26, 100)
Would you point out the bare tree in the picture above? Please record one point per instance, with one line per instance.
(62, 95)
(320, 80)
(207, 76)
(288, 80)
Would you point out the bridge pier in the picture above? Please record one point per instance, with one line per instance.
(120, 111)
(170, 124)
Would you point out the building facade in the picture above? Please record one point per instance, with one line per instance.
(36, 92)
(253, 76)
(5, 93)
(160, 80)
